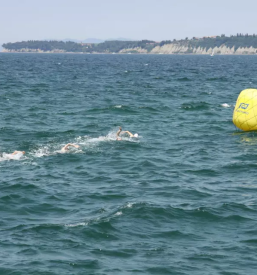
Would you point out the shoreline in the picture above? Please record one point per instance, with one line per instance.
(95, 53)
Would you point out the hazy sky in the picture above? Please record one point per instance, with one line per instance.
(134, 19)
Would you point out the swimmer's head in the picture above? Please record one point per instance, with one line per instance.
(136, 135)
(23, 152)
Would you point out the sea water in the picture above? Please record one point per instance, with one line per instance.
(179, 199)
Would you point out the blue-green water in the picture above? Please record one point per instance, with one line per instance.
(180, 199)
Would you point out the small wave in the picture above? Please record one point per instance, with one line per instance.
(204, 172)
(252, 242)
(149, 109)
(220, 79)
(194, 106)
(182, 79)
(104, 217)
(175, 234)
(114, 108)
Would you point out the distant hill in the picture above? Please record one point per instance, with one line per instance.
(88, 40)
(119, 39)
(93, 40)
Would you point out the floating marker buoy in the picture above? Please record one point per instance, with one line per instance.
(245, 112)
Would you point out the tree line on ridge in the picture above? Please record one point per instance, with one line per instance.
(115, 46)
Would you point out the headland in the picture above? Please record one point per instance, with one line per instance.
(239, 44)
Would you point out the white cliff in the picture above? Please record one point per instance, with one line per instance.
(173, 48)
(180, 49)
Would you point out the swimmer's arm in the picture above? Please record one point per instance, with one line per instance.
(130, 134)
(74, 145)
(66, 147)
(15, 152)
(118, 133)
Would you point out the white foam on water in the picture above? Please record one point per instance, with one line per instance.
(118, 106)
(76, 224)
(6, 156)
(225, 105)
(118, 213)
(89, 141)
(125, 137)
(110, 137)
(53, 149)
(129, 205)
(43, 151)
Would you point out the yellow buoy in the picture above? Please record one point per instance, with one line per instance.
(245, 112)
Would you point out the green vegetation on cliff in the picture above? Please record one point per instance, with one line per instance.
(44, 46)
(116, 46)
(105, 47)
(235, 41)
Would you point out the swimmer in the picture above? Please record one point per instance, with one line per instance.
(16, 155)
(18, 152)
(66, 147)
(124, 132)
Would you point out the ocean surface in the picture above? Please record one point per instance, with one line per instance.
(179, 199)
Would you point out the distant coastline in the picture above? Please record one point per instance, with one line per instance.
(212, 45)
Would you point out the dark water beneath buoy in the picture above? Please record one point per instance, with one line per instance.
(180, 199)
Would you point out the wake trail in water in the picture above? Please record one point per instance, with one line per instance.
(86, 143)
(110, 137)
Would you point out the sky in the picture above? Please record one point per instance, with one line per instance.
(158, 20)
